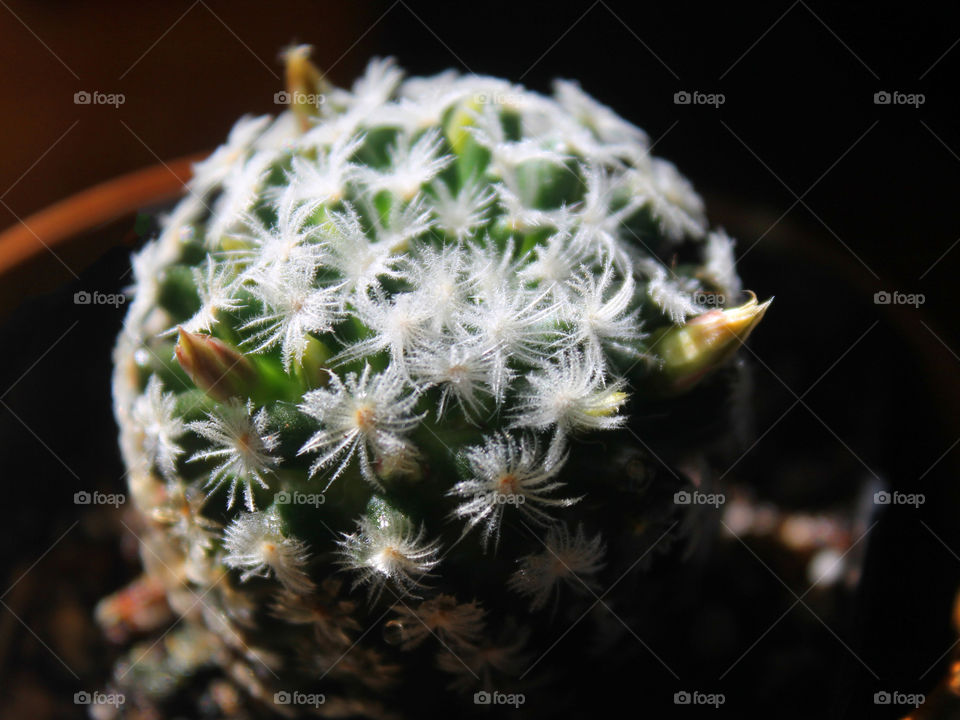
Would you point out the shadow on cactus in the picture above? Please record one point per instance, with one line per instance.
(381, 385)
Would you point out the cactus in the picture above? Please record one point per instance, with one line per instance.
(377, 382)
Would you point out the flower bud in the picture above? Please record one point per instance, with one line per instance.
(215, 367)
(139, 607)
(689, 352)
(306, 85)
(607, 404)
(457, 127)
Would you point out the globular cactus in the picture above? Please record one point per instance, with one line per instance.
(376, 385)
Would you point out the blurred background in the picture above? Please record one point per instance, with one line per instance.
(833, 194)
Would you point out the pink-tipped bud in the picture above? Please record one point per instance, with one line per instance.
(139, 607)
(214, 366)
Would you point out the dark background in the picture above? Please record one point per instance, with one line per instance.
(831, 196)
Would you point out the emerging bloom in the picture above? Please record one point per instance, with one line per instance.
(155, 413)
(571, 394)
(256, 543)
(573, 559)
(243, 448)
(507, 471)
(214, 366)
(388, 548)
(690, 352)
(457, 624)
(364, 415)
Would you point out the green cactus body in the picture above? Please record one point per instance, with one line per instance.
(405, 317)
